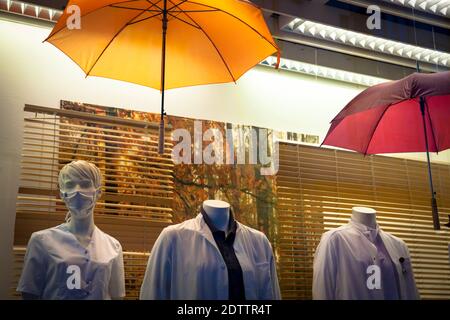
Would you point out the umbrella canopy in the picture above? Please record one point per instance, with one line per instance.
(387, 118)
(165, 44)
(408, 115)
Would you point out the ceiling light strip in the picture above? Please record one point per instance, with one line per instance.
(437, 7)
(371, 43)
(30, 10)
(323, 72)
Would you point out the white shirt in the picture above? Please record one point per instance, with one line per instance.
(342, 259)
(185, 263)
(51, 252)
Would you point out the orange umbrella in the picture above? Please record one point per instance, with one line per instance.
(165, 44)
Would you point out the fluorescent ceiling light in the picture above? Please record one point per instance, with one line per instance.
(371, 43)
(324, 72)
(30, 10)
(438, 7)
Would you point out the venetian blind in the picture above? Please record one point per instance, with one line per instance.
(316, 189)
(137, 182)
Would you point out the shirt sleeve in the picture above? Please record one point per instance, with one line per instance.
(117, 280)
(32, 279)
(413, 293)
(275, 294)
(324, 270)
(157, 280)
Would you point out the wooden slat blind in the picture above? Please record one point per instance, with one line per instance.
(316, 189)
(136, 203)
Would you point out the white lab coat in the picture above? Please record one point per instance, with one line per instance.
(343, 256)
(185, 263)
(52, 251)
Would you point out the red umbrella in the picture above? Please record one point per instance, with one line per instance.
(408, 115)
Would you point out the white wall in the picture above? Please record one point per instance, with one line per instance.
(36, 73)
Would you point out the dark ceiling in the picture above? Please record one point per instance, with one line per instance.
(56, 4)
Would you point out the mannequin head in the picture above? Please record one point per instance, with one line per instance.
(79, 183)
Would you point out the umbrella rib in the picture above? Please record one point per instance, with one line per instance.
(155, 4)
(84, 15)
(201, 4)
(181, 10)
(213, 44)
(431, 125)
(190, 11)
(111, 41)
(171, 10)
(192, 25)
(151, 17)
(176, 5)
(375, 129)
(128, 8)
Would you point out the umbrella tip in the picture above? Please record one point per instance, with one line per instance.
(277, 66)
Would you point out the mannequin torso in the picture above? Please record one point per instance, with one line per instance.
(390, 287)
(360, 261)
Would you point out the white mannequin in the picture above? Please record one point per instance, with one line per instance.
(365, 216)
(219, 213)
(80, 191)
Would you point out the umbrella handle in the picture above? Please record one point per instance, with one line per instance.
(434, 206)
(161, 136)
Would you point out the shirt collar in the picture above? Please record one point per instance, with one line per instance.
(370, 233)
(232, 224)
(94, 234)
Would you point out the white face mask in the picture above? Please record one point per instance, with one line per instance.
(80, 203)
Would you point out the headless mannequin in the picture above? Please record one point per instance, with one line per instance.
(365, 216)
(219, 213)
(368, 217)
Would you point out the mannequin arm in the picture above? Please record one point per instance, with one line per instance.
(157, 280)
(324, 273)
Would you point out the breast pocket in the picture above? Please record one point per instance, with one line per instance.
(264, 281)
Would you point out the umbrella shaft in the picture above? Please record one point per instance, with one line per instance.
(163, 56)
(434, 207)
(163, 80)
(422, 110)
